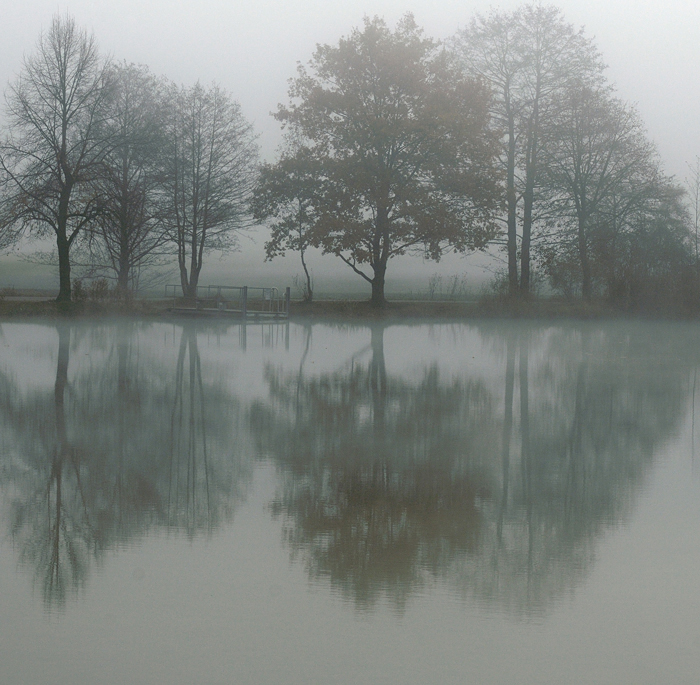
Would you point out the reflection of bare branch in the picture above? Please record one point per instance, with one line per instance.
(53, 526)
(190, 467)
(91, 463)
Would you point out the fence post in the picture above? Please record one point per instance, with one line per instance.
(245, 301)
(287, 299)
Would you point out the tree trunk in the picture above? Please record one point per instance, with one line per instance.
(512, 203)
(194, 282)
(309, 295)
(184, 280)
(64, 288)
(586, 280)
(529, 198)
(123, 260)
(189, 281)
(528, 202)
(378, 299)
(63, 246)
(123, 280)
(525, 243)
(380, 245)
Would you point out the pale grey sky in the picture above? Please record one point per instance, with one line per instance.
(251, 49)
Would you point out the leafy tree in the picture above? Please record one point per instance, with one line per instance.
(404, 145)
(211, 166)
(56, 144)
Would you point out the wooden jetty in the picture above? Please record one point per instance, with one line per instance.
(241, 302)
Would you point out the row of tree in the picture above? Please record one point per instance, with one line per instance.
(120, 167)
(394, 143)
(583, 182)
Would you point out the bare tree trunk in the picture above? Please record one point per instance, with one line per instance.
(512, 204)
(123, 273)
(525, 243)
(64, 288)
(194, 280)
(586, 280)
(528, 201)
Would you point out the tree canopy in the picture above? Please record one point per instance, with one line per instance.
(403, 145)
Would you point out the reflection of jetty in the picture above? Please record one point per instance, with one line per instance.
(230, 300)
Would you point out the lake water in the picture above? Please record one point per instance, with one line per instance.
(285, 503)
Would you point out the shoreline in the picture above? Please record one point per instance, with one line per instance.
(17, 308)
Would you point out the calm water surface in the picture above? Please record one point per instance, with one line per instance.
(482, 503)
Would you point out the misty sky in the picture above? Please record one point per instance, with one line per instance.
(251, 48)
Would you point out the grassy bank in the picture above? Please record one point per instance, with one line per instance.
(451, 310)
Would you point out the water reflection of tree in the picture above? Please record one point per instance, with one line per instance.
(382, 476)
(591, 419)
(115, 451)
(204, 420)
(50, 510)
(389, 483)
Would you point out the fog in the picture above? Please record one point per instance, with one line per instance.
(251, 49)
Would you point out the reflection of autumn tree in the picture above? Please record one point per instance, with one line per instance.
(377, 531)
(128, 443)
(382, 476)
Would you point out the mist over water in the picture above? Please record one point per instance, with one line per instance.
(348, 503)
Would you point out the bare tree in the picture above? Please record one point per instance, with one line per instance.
(129, 234)
(56, 143)
(693, 186)
(529, 57)
(608, 191)
(211, 167)
(490, 49)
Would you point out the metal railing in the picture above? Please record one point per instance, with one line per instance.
(243, 300)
